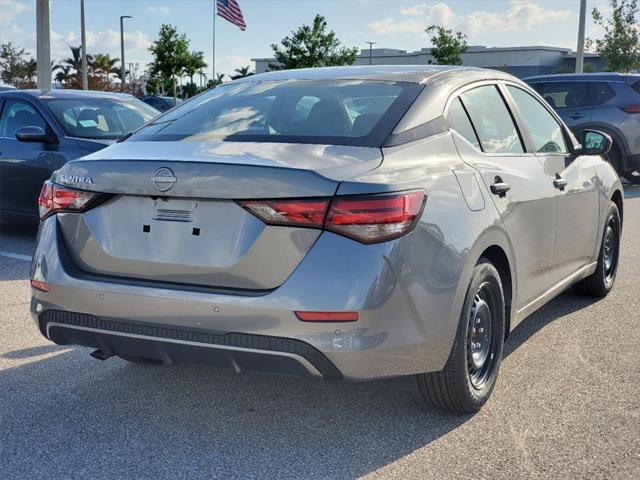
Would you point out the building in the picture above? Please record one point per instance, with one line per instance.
(519, 61)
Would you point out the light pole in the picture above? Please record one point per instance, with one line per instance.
(122, 64)
(43, 45)
(371, 44)
(580, 52)
(83, 36)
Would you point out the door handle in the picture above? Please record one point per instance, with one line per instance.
(500, 188)
(576, 116)
(559, 182)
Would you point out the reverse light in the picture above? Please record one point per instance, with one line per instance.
(365, 218)
(327, 316)
(55, 198)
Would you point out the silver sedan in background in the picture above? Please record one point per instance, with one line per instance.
(342, 223)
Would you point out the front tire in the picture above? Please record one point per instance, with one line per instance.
(468, 378)
(600, 282)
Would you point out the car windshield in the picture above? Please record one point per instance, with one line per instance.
(100, 118)
(341, 112)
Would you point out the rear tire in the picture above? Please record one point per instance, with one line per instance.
(468, 378)
(600, 282)
(140, 360)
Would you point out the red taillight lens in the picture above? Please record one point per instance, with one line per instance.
(42, 286)
(301, 213)
(366, 218)
(327, 316)
(375, 218)
(54, 198)
(632, 109)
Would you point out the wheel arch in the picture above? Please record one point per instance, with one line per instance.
(497, 256)
(617, 199)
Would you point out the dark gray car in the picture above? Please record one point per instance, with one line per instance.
(42, 130)
(341, 223)
(608, 102)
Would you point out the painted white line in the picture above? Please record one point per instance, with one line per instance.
(17, 256)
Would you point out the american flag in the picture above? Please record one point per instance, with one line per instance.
(230, 11)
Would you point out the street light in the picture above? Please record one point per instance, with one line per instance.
(122, 64)
(371, 44)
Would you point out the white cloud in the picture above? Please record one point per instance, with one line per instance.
(108, 41)
(10, 9)
(159, 9)
(521, 14)
(229, 63)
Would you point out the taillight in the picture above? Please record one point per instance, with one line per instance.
(366, 218)
(375, 218)
(632, 109)
(55, 198)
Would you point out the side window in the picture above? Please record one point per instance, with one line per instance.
(545, 131)
(459, 121)
(564, 94)
(17, 114)
(601, 92)
(491, 118)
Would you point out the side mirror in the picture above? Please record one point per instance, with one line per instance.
(32, 134)
(595, 142)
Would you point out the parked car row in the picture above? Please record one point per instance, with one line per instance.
(339, 223)
(609, 102)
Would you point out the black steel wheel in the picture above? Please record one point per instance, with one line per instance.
(600, 282)
(468, 378)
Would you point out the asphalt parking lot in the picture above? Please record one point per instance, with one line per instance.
(567, 404)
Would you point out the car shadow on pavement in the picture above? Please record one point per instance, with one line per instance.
(560, 306)
(70, 413)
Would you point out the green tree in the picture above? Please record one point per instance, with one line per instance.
(242, 72)
(219, 80)
(620, 45)
(103, 64)
(311, 46)
(195, 64)
(171, 55)
(64, 74)
(12, 64)
(448, 47)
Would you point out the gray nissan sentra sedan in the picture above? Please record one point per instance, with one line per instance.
(342, 223)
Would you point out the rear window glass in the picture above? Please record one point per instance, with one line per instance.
(341, 112)
(100, 118)
(564, 94)
(601, 92)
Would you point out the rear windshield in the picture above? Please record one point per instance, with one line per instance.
(100, 118)
(340, 112)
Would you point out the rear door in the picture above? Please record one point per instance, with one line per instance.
(489, 141)
(23, 166)
(573, 178)
(572, 101)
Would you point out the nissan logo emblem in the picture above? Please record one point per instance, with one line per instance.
(164, 179)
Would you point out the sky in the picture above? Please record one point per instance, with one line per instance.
(390, 23)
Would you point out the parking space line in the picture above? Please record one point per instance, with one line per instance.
(17, 256)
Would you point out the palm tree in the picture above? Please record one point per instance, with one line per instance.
(203, 75)
(103, 63)
(30, 69)
(75, 61)
(219, 80)
(194, 64)
(242, 72)
(63, 75)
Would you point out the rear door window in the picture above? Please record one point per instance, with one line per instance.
(564, 94)
(492, 120)
(601, 92)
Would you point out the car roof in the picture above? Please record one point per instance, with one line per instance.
(404, 73)
(603, 76)
(64, 93)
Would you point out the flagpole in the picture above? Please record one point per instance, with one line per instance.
(213, 55)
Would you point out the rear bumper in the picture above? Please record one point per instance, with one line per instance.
(173, 345)
(407, 293)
